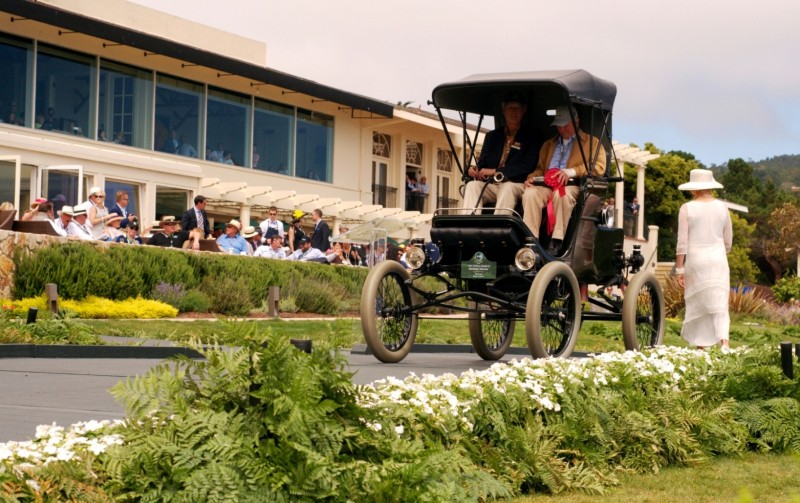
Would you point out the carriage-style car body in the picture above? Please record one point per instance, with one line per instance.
(492, 267)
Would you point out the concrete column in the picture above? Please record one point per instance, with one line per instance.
(640, 196)
(244, 215)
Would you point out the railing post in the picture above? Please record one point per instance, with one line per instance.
(51, 290)
(273, 301)
(786, 359)
(32, 313)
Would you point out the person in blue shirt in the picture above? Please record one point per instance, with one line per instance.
(232, 241)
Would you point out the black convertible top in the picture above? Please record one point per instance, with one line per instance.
(481, 93)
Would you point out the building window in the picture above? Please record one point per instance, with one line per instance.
(228, 128)
(65, 91)
(381, 192)
(444, 160)
(273, 138)
(171, 201)
(126, 99)
(381, 145)
(414, 153)
(16, 60)
(314, 152)
(443, 196)
(179, 110)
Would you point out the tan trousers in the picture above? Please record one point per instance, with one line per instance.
(535, 198)
(505, 195)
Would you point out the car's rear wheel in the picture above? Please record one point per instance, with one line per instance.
(552, 321)
(389, 329)
(643, 312)
(491, 332)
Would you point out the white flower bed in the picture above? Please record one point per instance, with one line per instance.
(54, 443)
(445, 397)
(438, 398)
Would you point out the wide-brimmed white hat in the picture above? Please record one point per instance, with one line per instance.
(234, 223)
(700, 179)
(250, 231)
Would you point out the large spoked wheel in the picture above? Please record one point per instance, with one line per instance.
(491, 333)
(552, 321)
(388, 331)
(643, 312)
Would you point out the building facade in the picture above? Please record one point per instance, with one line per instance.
(130, 99)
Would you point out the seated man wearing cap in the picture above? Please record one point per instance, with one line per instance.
(307, 253)
(512, 150)
(232, 241)
(561, 156)
(131, 233)
(165, 234)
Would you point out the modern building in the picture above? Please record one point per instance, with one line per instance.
(117, 95)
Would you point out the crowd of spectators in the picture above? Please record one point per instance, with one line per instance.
(92, 220)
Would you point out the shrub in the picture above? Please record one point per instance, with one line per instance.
(746, 300)
(120, 272)
(227, 295)
(195, 301)
(674, 302)
(95, 307)
(787, 289)
(169, 294)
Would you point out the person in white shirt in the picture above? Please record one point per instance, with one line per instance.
(272, 250)
(307, 253)
(271, 225)
(71, 223)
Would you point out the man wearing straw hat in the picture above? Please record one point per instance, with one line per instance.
(705, 237)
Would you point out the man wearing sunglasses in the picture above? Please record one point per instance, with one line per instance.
(271, 226)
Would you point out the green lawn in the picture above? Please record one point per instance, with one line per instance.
(594, 336)
(751, 478)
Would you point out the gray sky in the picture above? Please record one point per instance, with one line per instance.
(717, 78)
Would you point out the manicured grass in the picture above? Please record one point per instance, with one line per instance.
(751, 478)
(594, 336)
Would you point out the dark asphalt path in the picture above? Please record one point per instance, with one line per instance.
(36, 391)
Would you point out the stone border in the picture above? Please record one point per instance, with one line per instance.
(73, 351)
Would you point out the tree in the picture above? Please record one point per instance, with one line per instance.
(743, 269)
(663, 199)
(779, 242)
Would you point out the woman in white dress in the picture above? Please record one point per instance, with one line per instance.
(701, 262)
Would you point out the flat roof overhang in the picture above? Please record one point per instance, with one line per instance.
(122, 35)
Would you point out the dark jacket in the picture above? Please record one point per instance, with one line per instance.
(189, 221)
(321, 239)
(522, 157)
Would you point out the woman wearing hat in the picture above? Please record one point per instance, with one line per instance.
(40, 210)
(701, 263)
(97, 211)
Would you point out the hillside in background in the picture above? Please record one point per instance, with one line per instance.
(783, 170)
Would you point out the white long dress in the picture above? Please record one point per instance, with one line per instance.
(705, 237)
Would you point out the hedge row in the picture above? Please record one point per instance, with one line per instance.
(235, 283)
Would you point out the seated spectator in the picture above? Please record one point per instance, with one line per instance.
(112, 230)
(273, 250)
(186, 149)
(166, 234)
(233, 242)
(131, 234)
(307, 253)
(36, 213)
(79, 227)
(253, 238)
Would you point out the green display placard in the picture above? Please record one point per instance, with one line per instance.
(478, 267)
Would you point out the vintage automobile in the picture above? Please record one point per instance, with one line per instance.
(491, 266)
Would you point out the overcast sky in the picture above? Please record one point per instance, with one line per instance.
(717, 78)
